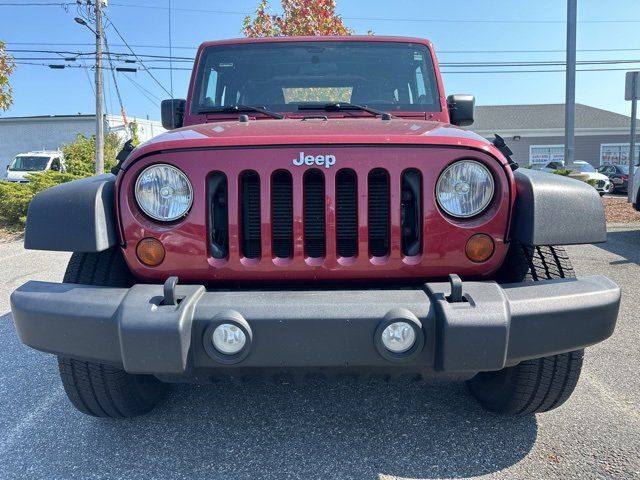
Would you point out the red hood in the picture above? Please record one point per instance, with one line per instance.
(368, 131)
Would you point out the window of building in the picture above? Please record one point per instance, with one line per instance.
(615, 153)
(546, 154)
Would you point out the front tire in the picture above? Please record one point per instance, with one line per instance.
(541, 384)
(93, 388)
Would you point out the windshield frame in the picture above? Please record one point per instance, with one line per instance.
(439, 113)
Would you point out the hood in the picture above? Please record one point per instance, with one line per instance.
(296, 131)
(17, 176)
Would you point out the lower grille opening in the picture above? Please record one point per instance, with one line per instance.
(346, 213)
(218, 215)
(378, 192)
(250, 213)
(314, 214)
(411, 212)
(282, 214)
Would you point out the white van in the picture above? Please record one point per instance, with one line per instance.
(33, 162)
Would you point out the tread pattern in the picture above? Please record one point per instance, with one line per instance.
(103, 390)
(540, 384)
(106, 391)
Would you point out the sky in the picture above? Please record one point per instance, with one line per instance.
(462, 31)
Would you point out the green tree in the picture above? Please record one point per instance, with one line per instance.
(80, 154)
(7, 65)
(299, 17)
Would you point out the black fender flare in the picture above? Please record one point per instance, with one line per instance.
(552, 209)
(77, 216)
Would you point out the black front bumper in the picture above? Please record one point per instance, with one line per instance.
(495, 326)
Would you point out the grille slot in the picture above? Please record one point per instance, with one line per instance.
(218, 215)
(282, 214)
(378, 196)
(411, 212)
(250, 214)
(314, 214)
(346, 213)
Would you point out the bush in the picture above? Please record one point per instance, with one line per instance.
(80, 160)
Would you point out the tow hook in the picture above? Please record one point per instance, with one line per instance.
(456, 289)
(169, 291)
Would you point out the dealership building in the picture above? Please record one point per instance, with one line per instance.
(28, 134)
(535, 133)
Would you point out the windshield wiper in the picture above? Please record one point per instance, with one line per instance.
(238, 108)
(340, 106)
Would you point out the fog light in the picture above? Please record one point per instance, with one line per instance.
(479, 248)
(398, 337)
(229, 339)
(150, 252)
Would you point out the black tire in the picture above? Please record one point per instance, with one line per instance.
(541, 384)
(97, 389)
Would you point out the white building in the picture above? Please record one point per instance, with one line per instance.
(27, 134)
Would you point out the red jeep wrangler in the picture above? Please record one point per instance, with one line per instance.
(324, 215)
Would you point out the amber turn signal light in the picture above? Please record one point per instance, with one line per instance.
(479, 248)
(150, 252)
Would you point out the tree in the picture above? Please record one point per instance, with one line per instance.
(7, 66)
(299, 17)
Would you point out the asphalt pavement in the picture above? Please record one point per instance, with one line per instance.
(334, 431)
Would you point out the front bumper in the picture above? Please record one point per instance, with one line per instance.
(495, 326)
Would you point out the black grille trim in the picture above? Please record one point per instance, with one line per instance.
(282, 214)
(411, 212)
(218, 215)
(250, 222)
(347, 213)
(379, 214)
(314, 214)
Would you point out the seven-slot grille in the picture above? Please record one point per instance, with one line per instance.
(332, 213)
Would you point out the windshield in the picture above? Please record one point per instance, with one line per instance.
(282, 76)
(624, 169)
(29, 164)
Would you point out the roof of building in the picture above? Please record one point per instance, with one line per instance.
(79, 116)
(543, 117)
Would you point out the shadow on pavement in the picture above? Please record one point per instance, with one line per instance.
(258, 430)
(624, 243)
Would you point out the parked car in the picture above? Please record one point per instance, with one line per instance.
(587, 173)
(280, 231)
(582, 171)
(618, 175)
(33, 162)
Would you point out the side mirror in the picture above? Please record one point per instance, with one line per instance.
(461, 108)
(172, 113)
(55, 168)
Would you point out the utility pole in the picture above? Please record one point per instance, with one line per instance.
(570, 96)
(632, 92)
(99, 94)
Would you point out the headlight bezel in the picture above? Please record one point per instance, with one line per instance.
(150, 214)
(487, 204)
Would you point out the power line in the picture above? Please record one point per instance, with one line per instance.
(33, 4)
(143, 91)
(439, 52)
(385, 19)
(135, 55)
(444, 72)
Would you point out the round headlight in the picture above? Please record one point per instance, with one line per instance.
(464, 189)
(163, 192)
